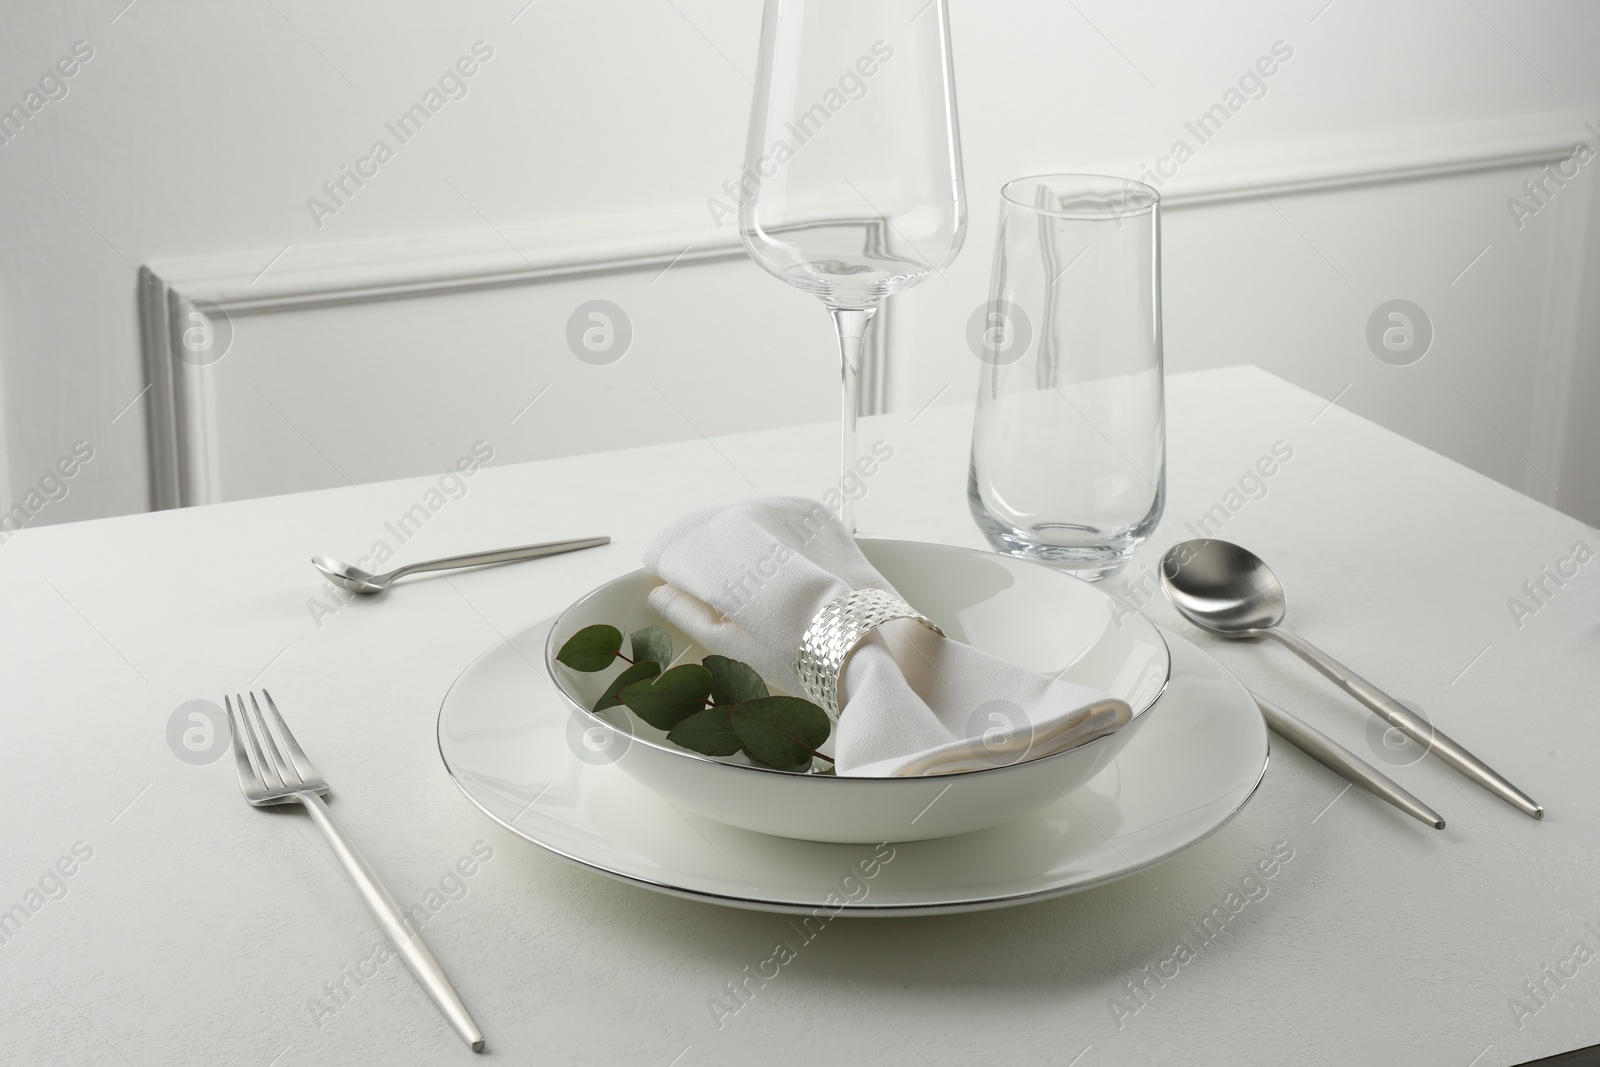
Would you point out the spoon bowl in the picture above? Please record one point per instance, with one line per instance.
(348, 576)
(1223, 587)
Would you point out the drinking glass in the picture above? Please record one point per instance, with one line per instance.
(1069, 436)
(852, 187)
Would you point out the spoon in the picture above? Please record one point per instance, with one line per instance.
(359, 581)
(1230, 591)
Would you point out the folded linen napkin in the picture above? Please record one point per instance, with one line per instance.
(745, 579)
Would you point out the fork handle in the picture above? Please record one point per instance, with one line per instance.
(1334, 756)
(406, 941)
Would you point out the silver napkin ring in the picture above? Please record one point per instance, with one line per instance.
(836, 630)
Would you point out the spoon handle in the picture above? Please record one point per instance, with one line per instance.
(1402, 718)
(499, 555)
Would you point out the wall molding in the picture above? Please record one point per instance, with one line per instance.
(182, 408)
(295, 278)
(1565, 432)
(1371, 159)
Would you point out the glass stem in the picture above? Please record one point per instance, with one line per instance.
(851, 324)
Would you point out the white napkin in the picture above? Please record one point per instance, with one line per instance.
(744, 580)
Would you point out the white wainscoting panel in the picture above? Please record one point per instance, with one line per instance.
(367, 361)
(380, 360)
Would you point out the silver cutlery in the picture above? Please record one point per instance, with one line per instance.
(1334, 756)
(273, 769)
(1231, 592)
(356, 580)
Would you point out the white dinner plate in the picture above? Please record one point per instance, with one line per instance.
(517, 751)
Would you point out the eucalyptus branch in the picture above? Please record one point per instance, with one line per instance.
(716, 707)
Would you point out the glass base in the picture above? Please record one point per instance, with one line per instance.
(1089, 562)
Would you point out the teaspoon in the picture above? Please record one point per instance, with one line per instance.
(357, 580)
(1230, 591)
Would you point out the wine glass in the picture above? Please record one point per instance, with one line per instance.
(852, 187)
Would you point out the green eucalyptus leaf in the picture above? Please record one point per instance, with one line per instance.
(665, 701)
(709, 732)
(652, 643)
(781, 732)
(636, 672)
(733, 682)
(591, 649)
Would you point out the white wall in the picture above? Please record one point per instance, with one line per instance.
(195, 135)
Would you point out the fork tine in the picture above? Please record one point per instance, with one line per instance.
(258, 759)
(300, 761)
(249, 780)
(269, 746)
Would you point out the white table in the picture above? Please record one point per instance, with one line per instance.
(201, 931)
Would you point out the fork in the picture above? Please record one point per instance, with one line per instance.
(267, 778)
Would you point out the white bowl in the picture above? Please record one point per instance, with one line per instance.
(1039, 618)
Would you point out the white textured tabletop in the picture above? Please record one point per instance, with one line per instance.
(153, 918)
